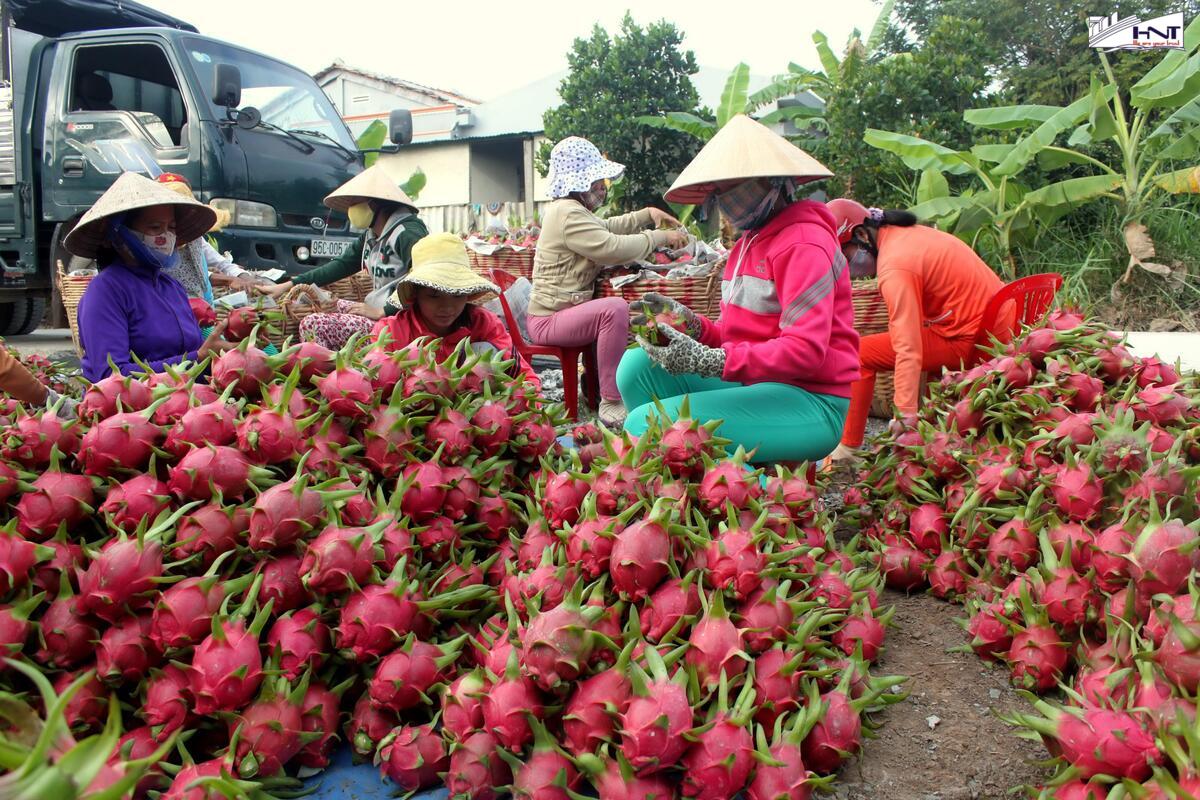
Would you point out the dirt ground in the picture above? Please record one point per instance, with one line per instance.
(968, 754)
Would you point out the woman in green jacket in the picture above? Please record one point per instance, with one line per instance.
(374, 202)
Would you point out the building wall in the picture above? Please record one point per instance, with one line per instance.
(447, 169)
(496, 172)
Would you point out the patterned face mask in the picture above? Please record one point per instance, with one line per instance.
(593, 198)
(749, 204)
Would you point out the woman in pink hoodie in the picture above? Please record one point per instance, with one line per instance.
(778, 365)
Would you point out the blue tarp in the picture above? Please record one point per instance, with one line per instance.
(345, 780)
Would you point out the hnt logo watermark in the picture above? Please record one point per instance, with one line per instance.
(1134, 33)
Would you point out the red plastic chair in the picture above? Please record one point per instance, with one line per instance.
(568, 357)
(1031, 298)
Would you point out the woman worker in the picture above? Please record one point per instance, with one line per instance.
(574, 246)
(133, 309)
(935, 287)
(438, 294)
(374, 202)
(777, 367)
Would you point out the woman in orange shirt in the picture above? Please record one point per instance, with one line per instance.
(936, 289)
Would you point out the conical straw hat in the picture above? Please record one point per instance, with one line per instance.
(373, 183)
(743, 149)
(131, 191)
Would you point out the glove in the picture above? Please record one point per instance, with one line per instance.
(66, 406)
(684, 355)
(653, 303)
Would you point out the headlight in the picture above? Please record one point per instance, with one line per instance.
(245, 213)
(302, 253)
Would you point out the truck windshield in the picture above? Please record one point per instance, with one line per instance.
(287, 97)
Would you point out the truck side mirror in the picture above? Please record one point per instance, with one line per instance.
(400, 126)
(227, 86)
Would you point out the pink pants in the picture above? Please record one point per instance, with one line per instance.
(604, 323)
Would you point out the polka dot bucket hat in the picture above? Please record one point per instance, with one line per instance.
(575, 164)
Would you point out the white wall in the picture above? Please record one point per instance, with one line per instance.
(447, 169)
(496, 173)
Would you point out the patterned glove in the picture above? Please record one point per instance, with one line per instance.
(653, 303)
(66, 406)
(684, 355)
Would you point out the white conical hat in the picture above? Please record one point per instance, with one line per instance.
(743, 149)
(131, 191)
(373, 183)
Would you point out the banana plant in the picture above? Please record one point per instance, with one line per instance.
(998, 204)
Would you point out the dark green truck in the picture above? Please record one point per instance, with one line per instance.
(91, 88)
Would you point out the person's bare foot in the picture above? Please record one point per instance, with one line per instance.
(842, 453)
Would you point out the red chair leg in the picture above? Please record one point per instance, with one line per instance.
(570, 373)
(591, 380)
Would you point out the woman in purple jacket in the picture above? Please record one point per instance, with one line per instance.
(133, 311)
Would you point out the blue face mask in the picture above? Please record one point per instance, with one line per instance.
(132, 242)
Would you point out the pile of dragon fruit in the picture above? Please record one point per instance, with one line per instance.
(208, 587)
(1053, 490)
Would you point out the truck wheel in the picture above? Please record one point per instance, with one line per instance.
(37, 312)
(12, 322)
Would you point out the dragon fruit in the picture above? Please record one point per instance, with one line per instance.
(300, 640)
(18, 557)
(31, 439)
(336, 558)
(115, 394)
(320, 715)
(226, 667)
(656, 718)
(211, 423)
(590, 717)
(167, 703)
(640, 555)
(125, 652)
(282, 584)
(54, 498)
(121, 577)
(728, 483)
(718, 763)
(476, 768)
(208, 472)
(283, 514)
(368, 725)
(462, 705)
(557, 643)
(269, 732)
(140, 498)
(404, 678)
(67, 634)
(1037, 658)
(671, 602)
(123, 442)
(245, 368)
(1096, 741)
(412, 757)
(715, 645)
(211, 529)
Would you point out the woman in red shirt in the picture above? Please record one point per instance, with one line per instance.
(437, 294)
(936, 289)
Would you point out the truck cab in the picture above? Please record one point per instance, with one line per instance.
(253, 135)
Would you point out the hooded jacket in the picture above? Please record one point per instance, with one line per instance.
(140, 311)
(786, 313)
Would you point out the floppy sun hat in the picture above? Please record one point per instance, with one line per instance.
(373, 183)
(130, 192)
(180, 185)
(743, 149)
(575, 164)
(439, 262)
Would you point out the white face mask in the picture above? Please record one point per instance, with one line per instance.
(163, 243)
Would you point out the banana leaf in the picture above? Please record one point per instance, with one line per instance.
(1175, 89)
(992, 153)
(1183, 127)
(684, 122)
(415, 183)
(1074, 191)
(920, 154)
(1044, 135)
(1142, 92)
(1053, 158)
(932, 185)
(879, 29)
(941, 207)
(372, 139)
(1181, 181)
(1101, 123)
(1006, 118)
(829, 61)
(791, 114)
(733, 98)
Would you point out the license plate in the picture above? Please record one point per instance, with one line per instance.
(328, 248)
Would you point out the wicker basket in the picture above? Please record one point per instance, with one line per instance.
(520, 264)
(71, 288)
(701, 294)
(871, 317)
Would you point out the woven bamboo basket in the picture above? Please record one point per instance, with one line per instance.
(353, 289)
(71, 288)
(701, 294)
(871, 317)
(520, 264)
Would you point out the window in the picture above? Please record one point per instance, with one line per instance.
(131, 77)
(360, 98)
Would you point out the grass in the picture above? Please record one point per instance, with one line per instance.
(1087, 249)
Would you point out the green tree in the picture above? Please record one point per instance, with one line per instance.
(1037, 49)
(613, 81)
(921, 93)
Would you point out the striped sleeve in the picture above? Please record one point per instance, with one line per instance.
(803, 280)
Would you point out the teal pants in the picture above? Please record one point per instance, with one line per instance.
(784, 423)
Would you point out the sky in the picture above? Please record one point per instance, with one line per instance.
(484, 49)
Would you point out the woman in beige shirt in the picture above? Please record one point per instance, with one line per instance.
(574, 246)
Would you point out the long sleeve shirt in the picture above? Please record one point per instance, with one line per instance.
(786, 312)
(928, 279)
(217, 262)
(17, 381)
(575, 245)
(130, 311)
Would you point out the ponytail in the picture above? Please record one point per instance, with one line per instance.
(891, 216)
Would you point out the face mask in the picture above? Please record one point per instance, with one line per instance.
(749, 204)
(594, 198)
(361, 215)
(161, 243)
(862, 263)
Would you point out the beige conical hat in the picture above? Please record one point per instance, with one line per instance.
(373, 183)
(743, 149)
(192, 218)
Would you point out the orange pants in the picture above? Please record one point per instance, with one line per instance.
(875, 354)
